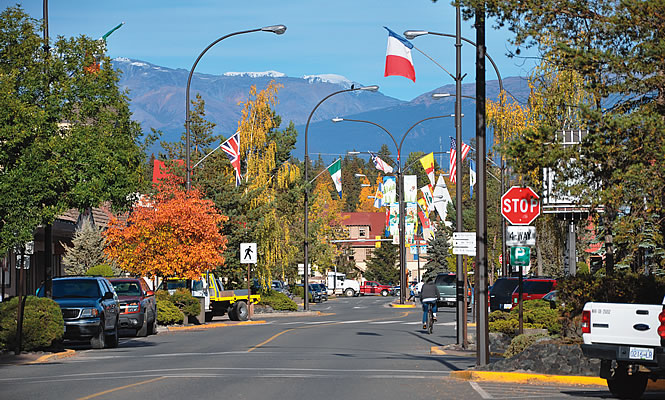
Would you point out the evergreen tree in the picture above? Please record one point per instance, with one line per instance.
(382, 266)
(438, 254)
(87, 250)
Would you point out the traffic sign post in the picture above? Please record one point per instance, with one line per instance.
(521, 236)
(520, 256)
(248, 255)
(520, 206)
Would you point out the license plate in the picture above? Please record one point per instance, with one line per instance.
(640, 353)
(450, 299)
(507, 306)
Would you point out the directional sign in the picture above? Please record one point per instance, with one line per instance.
(521, 236)
(520, 256)
(464, 243)
(520, 206)
(247, 253)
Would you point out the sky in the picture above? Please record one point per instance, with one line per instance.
(344, 37)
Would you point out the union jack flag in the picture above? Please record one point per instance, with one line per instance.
(232, 149)
(453, 158)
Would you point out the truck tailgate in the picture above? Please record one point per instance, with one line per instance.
(619, 323)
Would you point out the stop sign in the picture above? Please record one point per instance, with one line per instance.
(520, 206)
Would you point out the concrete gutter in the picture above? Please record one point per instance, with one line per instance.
(53, 356)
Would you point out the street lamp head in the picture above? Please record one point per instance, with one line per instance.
(414, 34)
(276, 29)
(371, 88)
(338, 119)
(437, 96)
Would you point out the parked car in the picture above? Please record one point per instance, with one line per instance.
(138, 308)
(281, 287)
(323, 291)
(89, 308)
(314, 295)
(501, 293)
(447, 285)
(533, 289)
(375, 288)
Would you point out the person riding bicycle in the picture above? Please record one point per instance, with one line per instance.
(429, 296)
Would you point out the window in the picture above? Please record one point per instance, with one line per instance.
(362, 232)
(368, 253)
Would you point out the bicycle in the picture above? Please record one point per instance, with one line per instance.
(429, 326)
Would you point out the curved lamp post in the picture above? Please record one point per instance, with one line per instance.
(372, 88)
(276, 29)
(400, 195)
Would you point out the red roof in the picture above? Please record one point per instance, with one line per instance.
(375, 220)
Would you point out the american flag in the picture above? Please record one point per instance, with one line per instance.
(453, 158)
(232, 149)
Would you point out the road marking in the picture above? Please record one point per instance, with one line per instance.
(385, 322)
(318, 322)
(121, 388)
(269, 340)
(480, 390)
(355, 322)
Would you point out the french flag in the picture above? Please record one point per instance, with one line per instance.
(398, 57)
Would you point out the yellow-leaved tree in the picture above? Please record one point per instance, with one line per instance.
(325, 223)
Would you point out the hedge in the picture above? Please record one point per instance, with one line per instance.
(535, 314)
(168, 313)
(43, 325)
(278, 301)
(104, 270)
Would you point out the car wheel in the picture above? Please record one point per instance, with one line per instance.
(384, 293)
(152, 327)
(242, 311)
(349, 292)
(626, 386)
(99, 340)
(112, 339)
(143, 330)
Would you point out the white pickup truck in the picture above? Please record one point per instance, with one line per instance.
(629, 339)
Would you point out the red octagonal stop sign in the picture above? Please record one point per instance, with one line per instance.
(520, 206)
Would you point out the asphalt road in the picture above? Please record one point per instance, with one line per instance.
(358, 347)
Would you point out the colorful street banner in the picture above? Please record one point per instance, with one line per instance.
(427, 162)
(410, 188)
(410, 221)
(335, 170)
(423, 206)
(429, 197)
(389, 190)
(441, 200)
(394, 219)
(378, 197)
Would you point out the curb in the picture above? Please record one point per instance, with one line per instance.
(211, 326)
(520, 377)
(402, 305)
(55, 356)
(293, 314)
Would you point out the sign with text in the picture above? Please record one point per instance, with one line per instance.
(520, 206)
(464, 243)
(520, 236)
(520, 256)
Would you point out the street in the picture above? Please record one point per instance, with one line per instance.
(357, 347)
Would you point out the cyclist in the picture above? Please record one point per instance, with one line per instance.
(429, 296)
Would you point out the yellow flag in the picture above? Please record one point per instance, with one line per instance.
(428, 165)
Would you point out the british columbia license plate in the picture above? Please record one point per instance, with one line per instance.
(640, 353)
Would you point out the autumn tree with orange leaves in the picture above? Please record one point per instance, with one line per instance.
(172, 233)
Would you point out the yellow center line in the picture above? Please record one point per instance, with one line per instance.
(121, 388)
(271, 338)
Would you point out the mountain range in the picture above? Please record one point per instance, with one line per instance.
(157, 97)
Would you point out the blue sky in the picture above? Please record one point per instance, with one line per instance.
(344, 37)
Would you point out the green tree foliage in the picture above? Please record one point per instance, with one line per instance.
(101, 270)
(439, 258)
(382, 266)
(616, 48)
(87, 249)
(66, 136)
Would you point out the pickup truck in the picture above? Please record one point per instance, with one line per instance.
(375, 288)
(629, 340)
(217, 301)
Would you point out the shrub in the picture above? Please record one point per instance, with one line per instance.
(162, 295)
(498, 315)
(42, 323)
(278, 301)
(187, 303)
(168, 313)
(298, 291)
(100, 270)
(521, 342)
(536, 314)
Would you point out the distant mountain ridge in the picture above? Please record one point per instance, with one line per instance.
(158, 101)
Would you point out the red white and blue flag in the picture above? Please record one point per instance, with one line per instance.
(232, 149)
(380, 164)
(398, 57)
(453, 158)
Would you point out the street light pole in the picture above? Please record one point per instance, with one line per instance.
(372, 88)
(400, 196)
(277, 29)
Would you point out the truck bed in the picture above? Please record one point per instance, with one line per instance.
(624, 324)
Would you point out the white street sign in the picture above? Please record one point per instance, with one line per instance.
(247, 253)
(464, 251)
(520, 235)
(464, 243)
